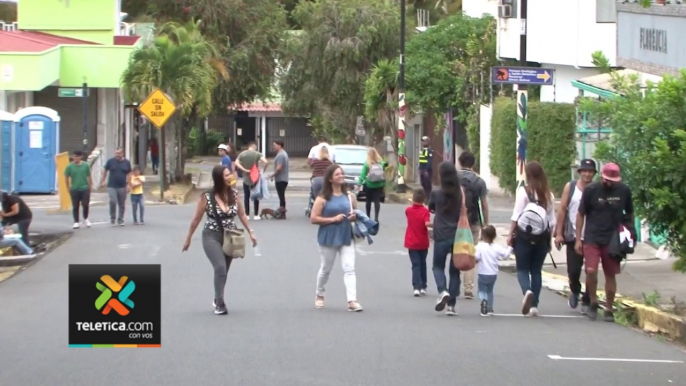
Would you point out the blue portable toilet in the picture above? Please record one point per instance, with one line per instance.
(6, 151)
(36, 143)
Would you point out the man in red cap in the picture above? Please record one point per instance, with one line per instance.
(604, 206)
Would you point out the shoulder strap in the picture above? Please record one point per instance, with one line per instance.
(213, 203)
(572, 188)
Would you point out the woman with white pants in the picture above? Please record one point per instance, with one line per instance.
(333, 212)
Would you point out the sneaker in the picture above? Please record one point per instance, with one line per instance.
(112, 223)
(593, 312)
(491, 313)
(609, 316)
(584, 309)
(526, 302)
(442, 301)
(87, 223)
(220, 309)
(468, 295)
(142, 222)
(422, 292)
(121, 223)
(573, 301)
(533, 311)
(354, 307)
(135, 223)
(319, 302)
(76, 226)
(451, 311)
(256, 218)
(416, 293)
(484, 307)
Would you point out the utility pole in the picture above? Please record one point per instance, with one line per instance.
(401, 105)
(84, 99)
(522, 100)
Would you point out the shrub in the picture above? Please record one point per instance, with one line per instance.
(551, 128)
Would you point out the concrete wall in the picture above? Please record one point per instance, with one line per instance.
(486, 114)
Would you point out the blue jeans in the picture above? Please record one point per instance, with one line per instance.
(486, 285)
(16, 243)
(418, 259)
(138, 201)
(441, 251)
(530, 260)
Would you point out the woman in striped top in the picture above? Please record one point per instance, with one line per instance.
(323, 161)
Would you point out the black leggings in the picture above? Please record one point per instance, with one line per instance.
(80, 198)
(373, 196)
(246, 201)
(281, 191)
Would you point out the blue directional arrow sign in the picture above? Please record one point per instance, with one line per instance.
(523, 75)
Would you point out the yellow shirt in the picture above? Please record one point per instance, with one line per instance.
(137, 189)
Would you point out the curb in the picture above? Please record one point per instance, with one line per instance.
(649, 319)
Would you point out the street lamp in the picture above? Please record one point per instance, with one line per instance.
(401, 187)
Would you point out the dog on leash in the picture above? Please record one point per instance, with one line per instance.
(277, 214)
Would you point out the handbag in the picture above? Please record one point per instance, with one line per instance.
(463, 247)
(234, 239)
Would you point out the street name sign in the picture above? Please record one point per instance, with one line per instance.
(158, 108)
(70, 92)
(523, 75)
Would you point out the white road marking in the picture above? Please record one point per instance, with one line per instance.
(363, 252)
(124, 246)
(558, 358)
(543, 316)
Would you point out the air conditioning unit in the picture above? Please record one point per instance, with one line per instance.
(505, 11)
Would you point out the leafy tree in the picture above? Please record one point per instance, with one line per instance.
(449, 66)
(381, 100)
(330, 58)
(185, 66)
(649, 144)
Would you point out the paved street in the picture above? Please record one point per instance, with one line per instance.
(273, 335)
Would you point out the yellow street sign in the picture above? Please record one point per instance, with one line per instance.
(158, 108)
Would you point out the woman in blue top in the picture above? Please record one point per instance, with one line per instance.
(333, 212)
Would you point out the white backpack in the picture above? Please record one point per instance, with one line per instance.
(533, 222)
(375, 173)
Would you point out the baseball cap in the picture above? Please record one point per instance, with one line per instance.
(610, 172)
(425, 138)
(223, 147)
(587, 164)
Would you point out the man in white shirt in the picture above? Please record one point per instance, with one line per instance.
(314, 152)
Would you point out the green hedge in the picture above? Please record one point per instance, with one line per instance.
(551, 128)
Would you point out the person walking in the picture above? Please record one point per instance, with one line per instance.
(154, 155)
(417, 240)
(79, 182)
(373, 180)
(314, 151)
(224, 153)
(533, 219)
(604, 207)
(280, 174)
(426, 159)
(446, 203)
(487, 257)
(476, 201)
(333, 211)
(15, 211)
(137, 198)
(565, 231)
(245, 162)
(118, 184)
(221, 205)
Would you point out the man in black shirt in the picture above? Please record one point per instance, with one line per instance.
(118, 184)
(15, 211)
(604, 207)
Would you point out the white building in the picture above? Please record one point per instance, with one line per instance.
(561, 34)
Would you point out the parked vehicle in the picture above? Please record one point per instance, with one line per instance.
(351, 158)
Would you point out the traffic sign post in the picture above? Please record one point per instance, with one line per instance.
(158, 107)
(523, 75)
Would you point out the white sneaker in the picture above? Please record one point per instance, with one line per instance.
(533, 311)
(526, 302)
(76, 225)
(422, 292)
(256, 218)
(87, 223)
(416, 293)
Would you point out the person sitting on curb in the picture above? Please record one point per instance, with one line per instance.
(15, 211)
(18, 244)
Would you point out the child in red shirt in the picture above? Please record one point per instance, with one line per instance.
(417, 240)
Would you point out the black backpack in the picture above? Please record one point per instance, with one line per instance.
(471, 198)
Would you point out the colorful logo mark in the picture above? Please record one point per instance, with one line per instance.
(106, 302)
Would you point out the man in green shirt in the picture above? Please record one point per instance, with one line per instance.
(79, 185)
(246, 160)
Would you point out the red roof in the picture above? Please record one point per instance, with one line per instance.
(259, 107)
(31, 41)
(125, 40)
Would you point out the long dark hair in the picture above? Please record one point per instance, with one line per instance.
(220, 187)
(450, 187)
(327, 186)
(537, 182)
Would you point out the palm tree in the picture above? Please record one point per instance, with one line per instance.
(184, 66)
(381, 99)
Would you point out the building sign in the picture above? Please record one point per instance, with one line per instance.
(651, 41)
